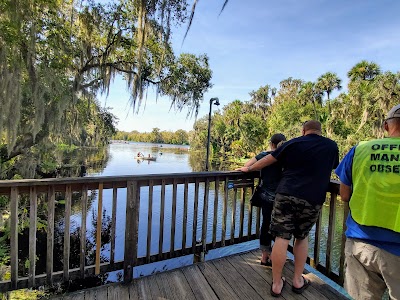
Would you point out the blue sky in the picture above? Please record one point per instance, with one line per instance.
(259, 42)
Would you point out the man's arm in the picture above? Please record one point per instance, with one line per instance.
(250, 162)
(345, 192)
(263, 162)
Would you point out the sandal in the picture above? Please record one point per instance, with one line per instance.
(276, 295)
(301, 289)
(268, 263)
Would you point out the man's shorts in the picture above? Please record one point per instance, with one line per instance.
(293, 216)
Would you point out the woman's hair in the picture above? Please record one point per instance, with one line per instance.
(280, 144)
(277, 138)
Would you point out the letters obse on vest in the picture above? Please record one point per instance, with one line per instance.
(384, 157)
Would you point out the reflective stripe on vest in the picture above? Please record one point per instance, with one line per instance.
(375, 200)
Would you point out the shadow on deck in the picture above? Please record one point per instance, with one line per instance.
(234, 277)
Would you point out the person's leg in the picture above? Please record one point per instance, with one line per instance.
(300, 251)
(265, 244)
(306, 216)
(282, 228)
(362, 277)
(278, 257)
(389, 265)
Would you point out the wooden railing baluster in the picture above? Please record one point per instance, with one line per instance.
(224, 212)
(205, 216)
(185, 215)
(113, 224)
(98, 228)
(241, 223)
(195, 217)
(215, 216)
(32, 235)
(173, 218)
(317, 241)
(162, 211)
(233, 217)
(50, 234)
(67, 223)
(14, 237)
(83, 230)
(342, 246)
(249, 219)
(149, 220)
(331, 232)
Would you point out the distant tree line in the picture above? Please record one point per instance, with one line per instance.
(179, 137)
(243, 128)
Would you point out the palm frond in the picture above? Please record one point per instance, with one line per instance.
(223, 7)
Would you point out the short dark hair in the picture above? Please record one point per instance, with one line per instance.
(312, 125)
(277, 138)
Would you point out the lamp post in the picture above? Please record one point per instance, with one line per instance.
(216, 100)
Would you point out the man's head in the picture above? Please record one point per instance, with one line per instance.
(311, 127)
(276, 139)
(392, 121)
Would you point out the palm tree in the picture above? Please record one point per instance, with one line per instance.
(309, 93)
(327, 83)
(364, 70)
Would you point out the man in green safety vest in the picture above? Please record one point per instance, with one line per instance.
(370, 180)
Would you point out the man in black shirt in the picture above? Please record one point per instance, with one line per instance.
(307, 165)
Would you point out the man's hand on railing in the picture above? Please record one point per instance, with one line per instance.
(243, 169)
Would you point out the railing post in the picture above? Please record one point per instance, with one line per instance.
(131, 230)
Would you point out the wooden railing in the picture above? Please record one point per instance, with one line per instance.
(233, 221)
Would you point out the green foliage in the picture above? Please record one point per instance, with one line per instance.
(179, 137)
(57, 56)
(243, 129)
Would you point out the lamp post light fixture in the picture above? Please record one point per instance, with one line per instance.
(216, 100)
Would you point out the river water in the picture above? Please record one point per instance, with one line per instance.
(170, 159)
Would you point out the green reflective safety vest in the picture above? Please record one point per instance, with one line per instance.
(375, 200)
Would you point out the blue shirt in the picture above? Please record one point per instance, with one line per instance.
(307, 163)
(385, 239)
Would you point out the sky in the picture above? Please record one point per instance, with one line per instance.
(259, 42)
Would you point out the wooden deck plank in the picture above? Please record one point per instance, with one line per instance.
(120, 291)
(217, 282)
(228, 271)
(140, 290)
(253, 260)
(198, 283)
(179, 285)
(101, 294)
(320, 287)
(155, 290)
(75, 296)
(258, 283)
(90, 294)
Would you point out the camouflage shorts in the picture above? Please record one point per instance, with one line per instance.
(292, 216)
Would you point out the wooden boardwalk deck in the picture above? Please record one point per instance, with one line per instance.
(235, 277)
